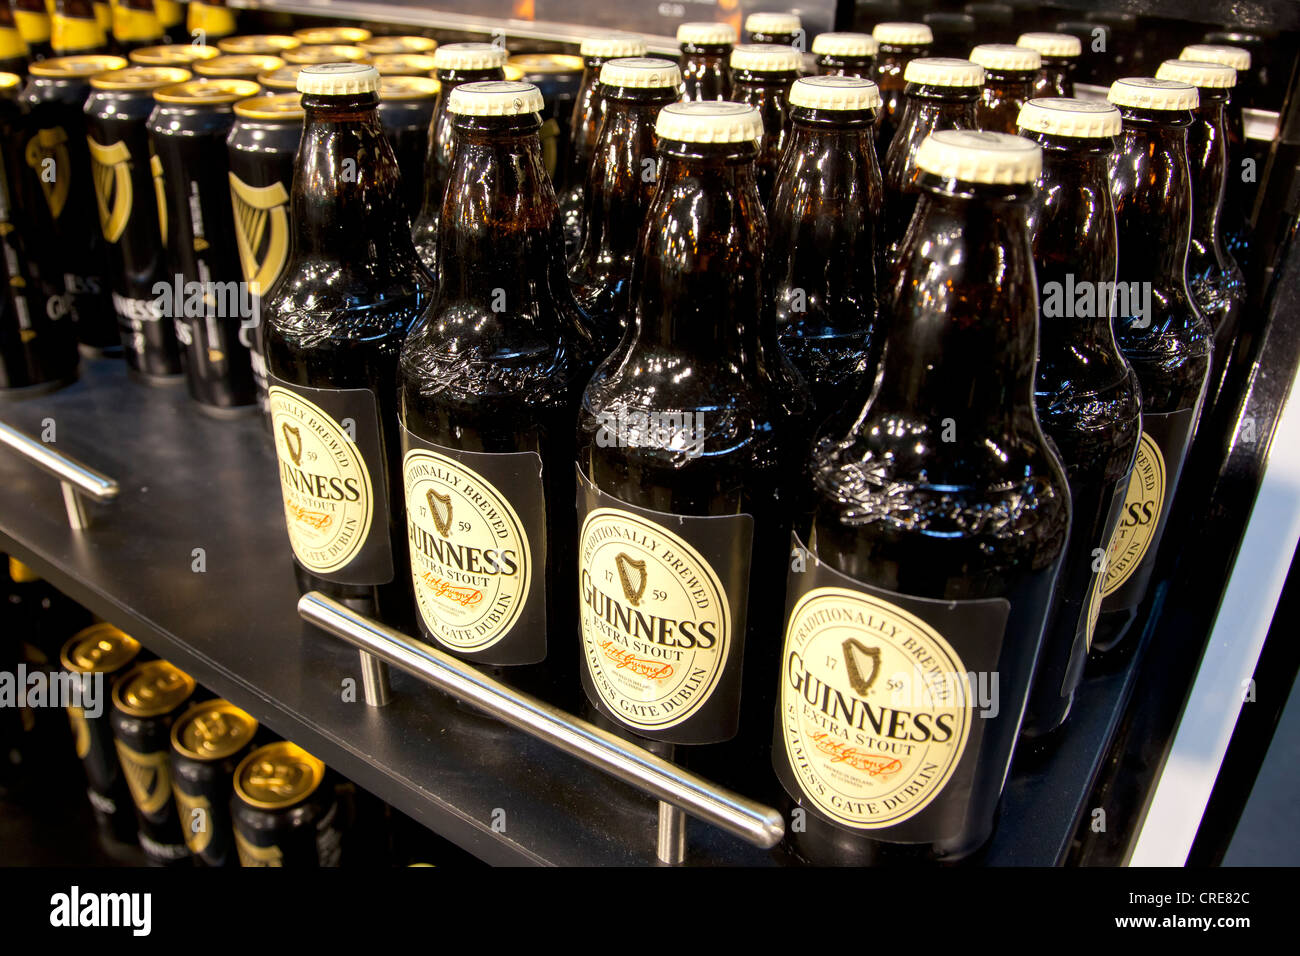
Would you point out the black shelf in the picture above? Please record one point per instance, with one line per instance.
(189, 481)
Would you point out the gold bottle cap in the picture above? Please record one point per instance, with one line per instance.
(277, 776)
(173, 54)
(285, 78)
(215, 92)
(238, 65)
(979, 157)
(152, 689)
(398, 45)
(546, 63)
(19, 572)
(408, 88)
(1201, 73)
(333, 53)
(283, 107)
(403, 64)
(212, 730)
(100, 648)
(139, 78)
(321, 36)
(264, 43)
(86, 64)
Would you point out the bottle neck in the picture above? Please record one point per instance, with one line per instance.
(926, 109)
(1207, 154)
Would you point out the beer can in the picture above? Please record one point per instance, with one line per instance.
(146, 702)
(68, 245)
(332, 36)
(404, 64)
(173, 54)
(238, 66)
(261, 149)
(117, 112)
(333, 53)
(188, 130)
(208, 743)
(283, 80)
(38, 351)
(399, 44)
(265, 44)
(558, 76)
(406, 106)
(285, 809)
(101, 649)
(33, 22)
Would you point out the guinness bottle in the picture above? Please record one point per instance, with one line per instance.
(845, 54)
(941, 94)
(780, 29)
(583, 127)
(761, 74)
(490, 379)
(898, 44)
(135, 24)
(706, 50)
(909, 598)
(32, 18)
(13, 48)
(457, 63)
(619, 189)
(1009, 75)
(1087, 396)
(1060, 53)
(75, 30)
(1157, 325)
(824, 252)
(209, 20)
(334, 326)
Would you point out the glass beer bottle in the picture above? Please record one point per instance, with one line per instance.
(706, 49)
(845, 54)
(1009, 75)
(761, 74)
(897, 44)
(1060, 53)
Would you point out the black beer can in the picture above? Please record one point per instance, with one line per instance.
(237, 66)
(98, 656)
(267, 43)
(66, 241)
(558, 76)
(261, 149)
(184, 55)
(208, 743)
(146, 702)
(187, 131)
(285, 809)
(32, 19)
(405, 111)
(129, 215)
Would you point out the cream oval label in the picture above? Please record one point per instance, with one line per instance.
(1140, 519)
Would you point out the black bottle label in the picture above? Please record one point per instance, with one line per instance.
(662, 616)
(1131, 556)
(883, 702)
(333, 479)
(477, 529)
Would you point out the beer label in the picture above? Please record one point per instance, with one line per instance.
(196, 819)
(332, 475)
(662, 616)
(135, 26)
(1088, 624)
(477, 529)
(250, 854)
(70, 34)
(46, 154)
(111, 166)
(33, 27)
(11, 43)
(877, 726)
(148, 777)
(261, 231)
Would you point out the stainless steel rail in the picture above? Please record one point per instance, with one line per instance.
(74, 478)
(675, 788)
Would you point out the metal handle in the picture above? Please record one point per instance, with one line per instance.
(74, 477)
(751, 821)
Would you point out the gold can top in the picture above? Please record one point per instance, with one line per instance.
(87, 64)
(143, 78)
(100, 648)
(285, 78)
(281, 107)
(264, 43)
(212, 730)
(398, 45)
(173, 54)
(278, 776)
(332, 53)
(403, 64)
(210, 92)
(18, 572)
(321, 36)
(514, 73)
(10, 81)
(549, 63)
(239, 65)
(152, 689)
(408, 88)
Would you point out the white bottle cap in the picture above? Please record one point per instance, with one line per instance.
(1144, 92)
(773, 23)
(641, 72)
(766, 58)
(470, 56)
(979, 157)
(495, 98)
(609, 45)
(338, 79)
(844, 44)
(709, 122)
(903, 34)
(1059, 116)
(944, 71)
(703, 33)
(835, 93)
(1051, 44)
(1233, 56)
(1005, 56)
(1216, 76)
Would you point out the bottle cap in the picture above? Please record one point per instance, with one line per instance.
(834, 93)
(709, 122)
(1210, 76)
(641, 72)
(1060, 116)
(903, 34)
(706, 34)
(264, 43)
(399, 45)
(609, 45)
(773, 23)
(1233, 56)
(944, 71)
(844, 44)
(326, 53)
(1051, 44)
(979, 157)
(1143, 92)
(766, 58)
(1005, 56)
(495, 98)
(321, 36)
(470, 56)
(338, 79)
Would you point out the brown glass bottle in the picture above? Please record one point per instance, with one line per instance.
(1096, 63)
(75, 30)
(941, 94)
(684, 459)
(32, 19)
(993, 21)
(457, 63)
(845, 54)
(135, 24)
(1009, 75)
(706, 48)
(618, 191)
(761, 74)
(1159, 329)
(1087, 396)
(898, 44)
(490, 381)
(334, 325)
(825, 226)
(406, 105)
(1060, 53)
(777, 29)
(939, 517)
